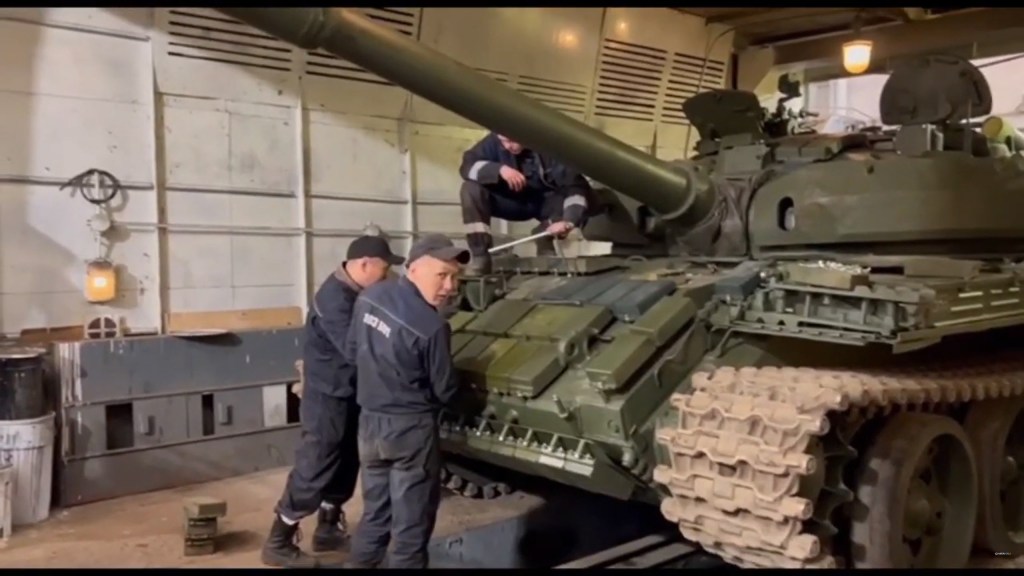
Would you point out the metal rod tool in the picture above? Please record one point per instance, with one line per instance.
(537, 236)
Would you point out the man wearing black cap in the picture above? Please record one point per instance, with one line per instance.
(402, 349)
(327, 460)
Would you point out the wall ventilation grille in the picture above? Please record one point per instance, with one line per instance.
(628, 80)
(206, 34)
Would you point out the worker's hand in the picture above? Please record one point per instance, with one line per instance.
(560, 229)
(514, 178)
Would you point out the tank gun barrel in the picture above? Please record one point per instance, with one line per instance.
(475, 96)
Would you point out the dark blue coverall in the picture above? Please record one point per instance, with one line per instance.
(327, 461)
(553, 192)
(402, 350)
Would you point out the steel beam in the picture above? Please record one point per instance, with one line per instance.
(918, 37)
(718, 15)
(771, 15)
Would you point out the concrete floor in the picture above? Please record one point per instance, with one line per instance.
(145, 531)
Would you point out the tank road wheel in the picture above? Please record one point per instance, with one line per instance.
(917, 496)
(996, 430)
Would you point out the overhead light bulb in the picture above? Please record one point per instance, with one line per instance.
(857, 56)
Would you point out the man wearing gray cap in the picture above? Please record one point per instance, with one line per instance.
(401, 345)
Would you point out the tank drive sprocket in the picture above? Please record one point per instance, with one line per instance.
(750, 441)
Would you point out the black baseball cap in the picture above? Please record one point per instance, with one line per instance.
(373, 247)
(439, 246)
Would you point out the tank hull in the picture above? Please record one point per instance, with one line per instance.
(713, 398)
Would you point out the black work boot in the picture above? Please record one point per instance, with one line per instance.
(479, 243)
(546, 245)
(331, 531)
(280, 549)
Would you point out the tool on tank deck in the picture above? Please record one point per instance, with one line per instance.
(514, 243)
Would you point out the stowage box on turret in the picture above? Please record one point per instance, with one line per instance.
(811, 355)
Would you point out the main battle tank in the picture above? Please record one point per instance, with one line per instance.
(804, 349)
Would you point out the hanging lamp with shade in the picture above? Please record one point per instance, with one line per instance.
(857, 52)
(98, 187)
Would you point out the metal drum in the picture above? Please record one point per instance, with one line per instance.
(22, 394)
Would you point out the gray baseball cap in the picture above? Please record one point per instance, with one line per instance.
(439, 246)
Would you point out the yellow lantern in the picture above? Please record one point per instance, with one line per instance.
(100, 281)
(857, 56)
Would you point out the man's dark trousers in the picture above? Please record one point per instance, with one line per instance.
(401, 469)
(327, 459)
(481, 203)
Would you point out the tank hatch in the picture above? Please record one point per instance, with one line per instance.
(718, 114)
(935, 89)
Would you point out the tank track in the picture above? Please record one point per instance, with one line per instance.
(471, 484)
(746, 441)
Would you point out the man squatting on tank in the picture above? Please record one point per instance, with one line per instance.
(502, 179)
(327, 460)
